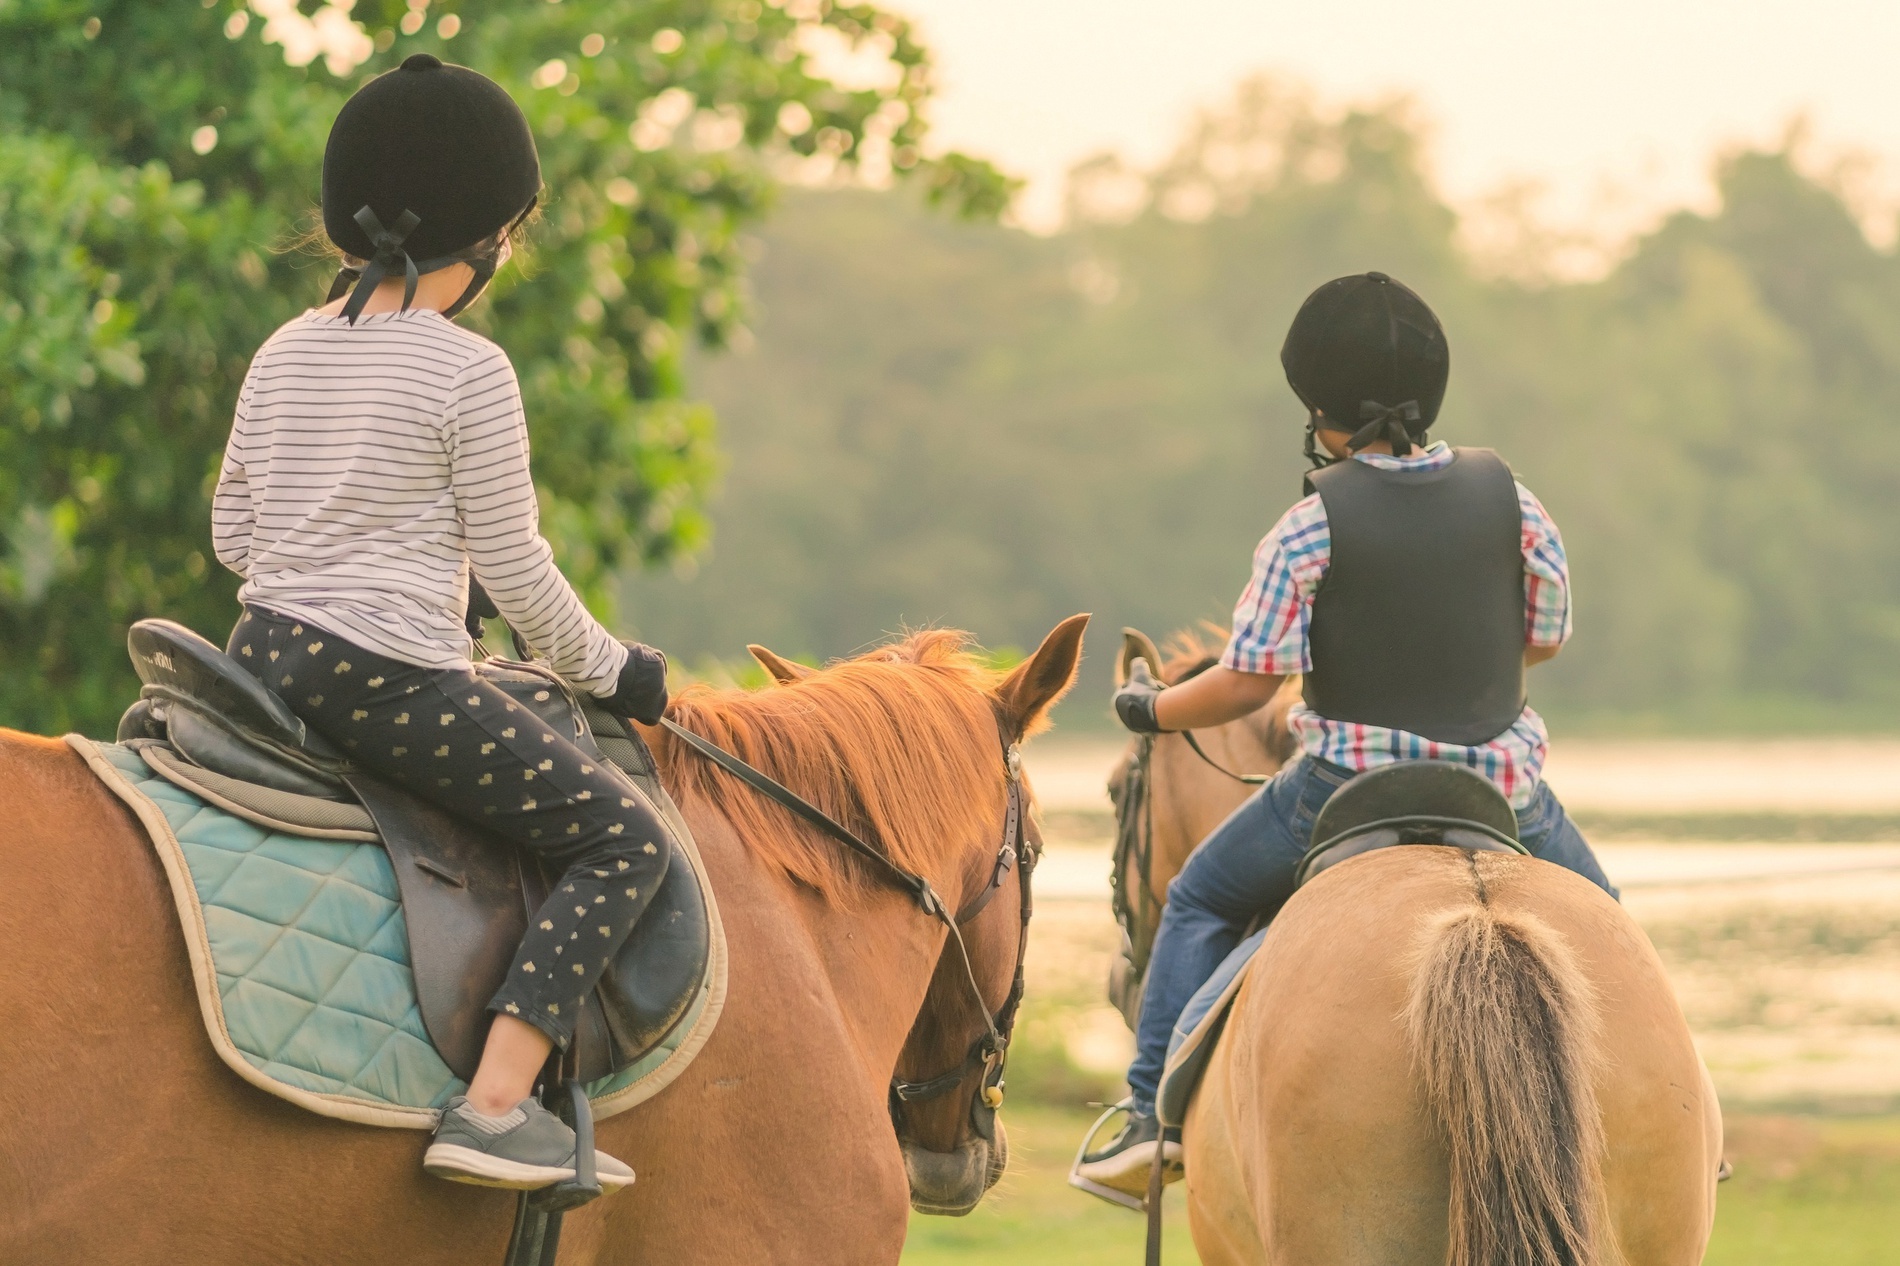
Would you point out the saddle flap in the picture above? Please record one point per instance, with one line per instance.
(466, 900)
(171, 656)
(1199, 1029)
(462, 904)
(655, 976)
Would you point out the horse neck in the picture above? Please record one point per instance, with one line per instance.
(822, 970)
(1191, 797)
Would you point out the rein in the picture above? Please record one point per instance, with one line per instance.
(1136, 912)
(1139, 912)
(1252, 780)
(989, 1051)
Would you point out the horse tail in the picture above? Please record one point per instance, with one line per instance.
(1502, 1025)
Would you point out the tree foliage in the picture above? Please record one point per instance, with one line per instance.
(971, 424)
(156, 156)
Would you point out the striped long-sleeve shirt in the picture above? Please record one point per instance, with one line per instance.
(1272, 617)
(370, 468)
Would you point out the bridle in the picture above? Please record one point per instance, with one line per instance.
(1138, 913)
(990, 1050)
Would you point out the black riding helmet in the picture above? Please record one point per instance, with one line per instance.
(1366, 355)
(424, 165)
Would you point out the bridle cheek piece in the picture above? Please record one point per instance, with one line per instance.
(990, 1051)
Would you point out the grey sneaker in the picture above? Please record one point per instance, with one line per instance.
(538, 1151)
(1123, 1163)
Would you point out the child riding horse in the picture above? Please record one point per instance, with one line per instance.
(1412, 587)
(379, 456)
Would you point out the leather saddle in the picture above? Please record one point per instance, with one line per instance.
(1411, 802)
(467, 894)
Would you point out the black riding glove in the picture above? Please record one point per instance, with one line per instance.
(1135, 701)
(641, 693)
(480, 607)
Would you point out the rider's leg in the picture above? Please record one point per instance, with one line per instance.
(458, 741)
(512, 1059)
(1547, 831)
(1244, 868)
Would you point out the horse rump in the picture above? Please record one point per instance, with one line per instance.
(1501, 1021)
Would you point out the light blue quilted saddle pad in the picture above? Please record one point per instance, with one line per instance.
(310, 954)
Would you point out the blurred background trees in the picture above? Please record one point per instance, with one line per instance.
(921, 417)
(157, 159)
(968, 424)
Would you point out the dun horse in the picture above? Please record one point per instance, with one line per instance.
(1439, 1059)
(124, 1140)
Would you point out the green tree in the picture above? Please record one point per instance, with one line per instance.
(155, 158)
(969, 424)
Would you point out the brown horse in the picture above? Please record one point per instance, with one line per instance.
(124, 1140)
(1443, 1058)
(1186, 795)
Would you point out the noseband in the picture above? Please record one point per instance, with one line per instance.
(990, 1051)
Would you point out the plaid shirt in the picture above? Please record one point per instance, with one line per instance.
(1270, 636)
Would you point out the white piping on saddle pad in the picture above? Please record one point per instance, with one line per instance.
(347, 1108)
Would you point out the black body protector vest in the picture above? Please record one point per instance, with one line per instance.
(1419, 624)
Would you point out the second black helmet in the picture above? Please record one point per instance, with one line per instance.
(1367, 356)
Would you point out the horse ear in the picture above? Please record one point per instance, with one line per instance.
(783, 670)
(1136, 645)
(1027, 694)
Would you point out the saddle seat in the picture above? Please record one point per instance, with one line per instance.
(202, 720)
(1427, 802)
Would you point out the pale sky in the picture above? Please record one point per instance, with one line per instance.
(1608, 104)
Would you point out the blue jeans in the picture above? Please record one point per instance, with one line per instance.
(1245, 868)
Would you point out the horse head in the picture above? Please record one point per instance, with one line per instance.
(949, 1083)
(913, 746)
(1168, 797)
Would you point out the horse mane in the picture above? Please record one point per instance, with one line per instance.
(899, 744)
(1192, 651)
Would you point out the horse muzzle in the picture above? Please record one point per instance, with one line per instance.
(951, 1184)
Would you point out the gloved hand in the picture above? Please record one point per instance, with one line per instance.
(1135, 701)
(641, 693)
(480, 607)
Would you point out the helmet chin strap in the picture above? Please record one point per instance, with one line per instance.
(1318, 459)
(1382, 424)
(361, 283)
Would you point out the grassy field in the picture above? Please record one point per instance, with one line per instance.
(1034, 1216)
(1812, 1191)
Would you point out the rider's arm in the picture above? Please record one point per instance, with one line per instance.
(1546, 582)
(1215, 697)
(486, 436)
(232, 515)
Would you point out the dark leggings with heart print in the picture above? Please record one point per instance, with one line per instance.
(455, 740)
